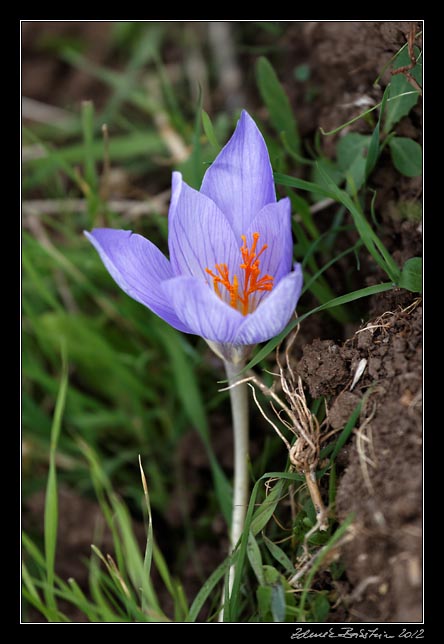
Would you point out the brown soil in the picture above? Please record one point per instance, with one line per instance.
(46, 77)
(382, 482)
(344, 59)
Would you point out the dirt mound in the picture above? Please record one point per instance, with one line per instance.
(382, 482)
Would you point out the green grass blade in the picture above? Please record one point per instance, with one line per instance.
(308, 186)
(374, 147)
(50, 614)
(207, 589)
(278, 554)
(87, 115)
(266, 510)
(27, 580)
(33, 551)
(149, 538)
(235, 602)
(121, 148)
(209, 130)
(344, 435)
(278, 104)
(374, 245)
(319, 559)
(197, 167)
(91, 185)
(145, 50)
(191, 399)
(369, 237)
(255, 558)
(51, 502)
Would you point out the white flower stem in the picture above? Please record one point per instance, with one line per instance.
(239, 412)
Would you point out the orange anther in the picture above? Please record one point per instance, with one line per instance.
(243, 301)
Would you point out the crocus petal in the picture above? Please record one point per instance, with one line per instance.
(138, 267)
(201, 310)
(240, 180)
(273, 223)
(199, 234)
(274, 312)
(176, 187)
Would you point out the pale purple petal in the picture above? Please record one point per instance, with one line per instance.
(274, 312)
(273, 223)
(138, 267)
(240, 180)
(199, 234)
(201, 311)
(176, 186)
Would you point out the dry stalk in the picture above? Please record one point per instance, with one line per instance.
(364, 438)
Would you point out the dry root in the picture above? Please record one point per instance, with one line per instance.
(295, 415)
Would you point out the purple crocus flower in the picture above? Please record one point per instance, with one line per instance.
(229, 278)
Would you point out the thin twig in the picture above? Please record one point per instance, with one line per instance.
(43, 113)
(405, 69)
(321, 205)
(131, 209)
(364, 460)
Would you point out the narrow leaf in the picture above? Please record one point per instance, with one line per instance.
(280, 556)
(276, 100)
(209, 130)
(255, 558)
(278, 606)
(51, 501)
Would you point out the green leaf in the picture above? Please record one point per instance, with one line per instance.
(278, 606)
(209, 130)
(352, 159)
(265, 511)
(279, 555)
(255, 558)
(397, 108)
(349, 148)
(373, 148)
(325, 167)
(193, 168)
(411, 275)
(320, 608)
(406, 156)
(373, 151)
(302, 72)
(264, 595)
(276, 100)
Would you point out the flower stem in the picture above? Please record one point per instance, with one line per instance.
(239, 412)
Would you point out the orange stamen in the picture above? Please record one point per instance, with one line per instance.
(252, 283)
